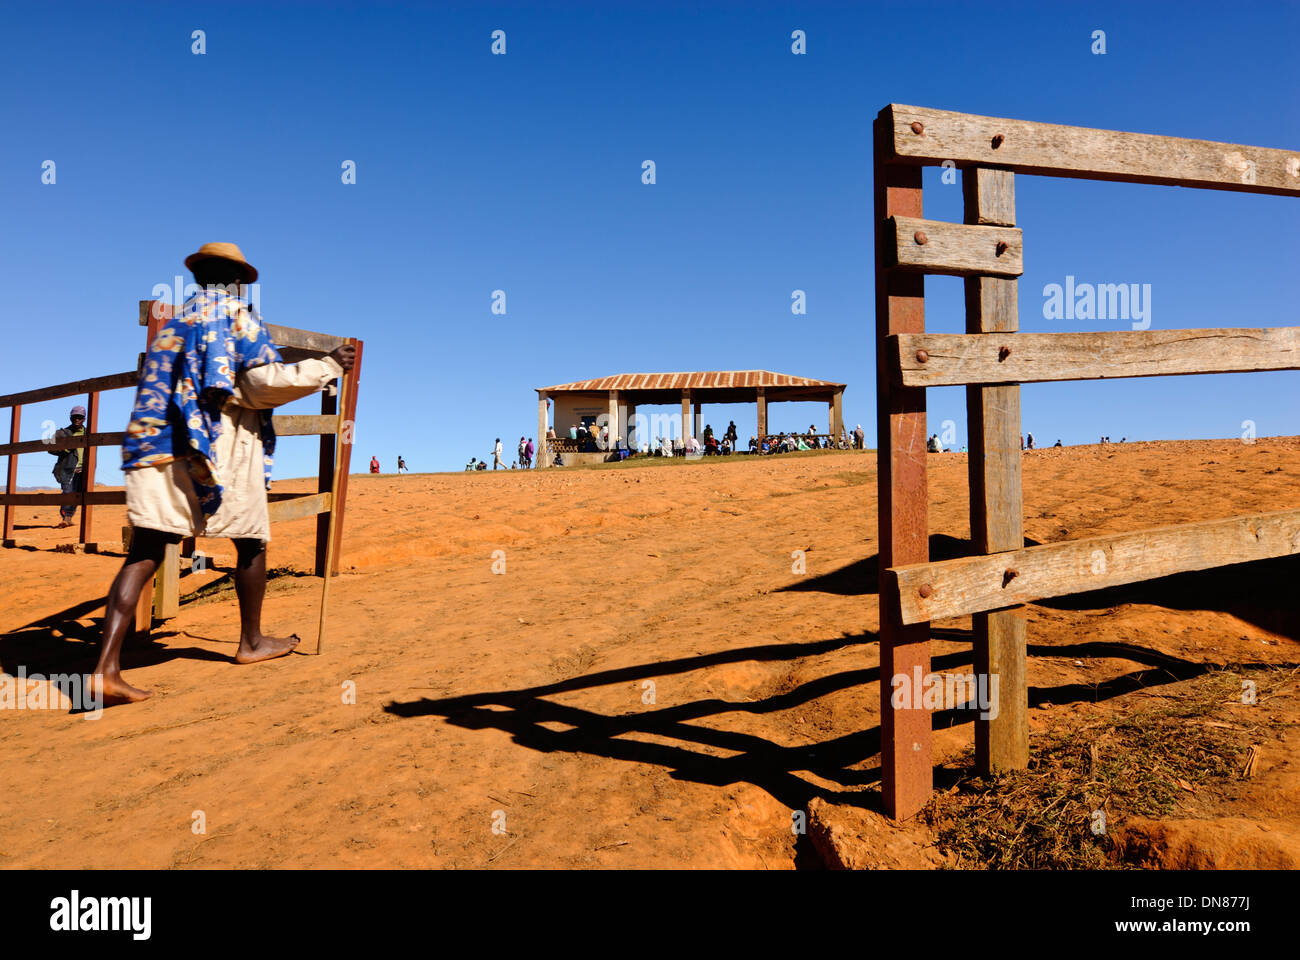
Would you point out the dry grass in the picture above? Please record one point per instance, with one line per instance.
(1044, 817)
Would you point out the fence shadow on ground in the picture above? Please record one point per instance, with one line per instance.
(770, 766)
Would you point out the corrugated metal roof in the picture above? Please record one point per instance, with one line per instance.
(704, 379)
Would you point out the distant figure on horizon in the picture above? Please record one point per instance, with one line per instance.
(68, 467)
(529, 451)
(401, 465)
(496, 456)
(374, 464)
(859, 438)
(732, 434)
(519, 450)
(1057, 444)
(1030, 441)
(473, 464)
(197, 452)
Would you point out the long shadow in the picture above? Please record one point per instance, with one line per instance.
(524, 714)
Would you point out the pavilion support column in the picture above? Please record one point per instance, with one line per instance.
(696, 432)
(633, 441)
(837, 415)
(762, 418)
(543, 452)
(686, 417)
(614, 432)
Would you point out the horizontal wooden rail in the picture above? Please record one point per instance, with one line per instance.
(303, 339)
(112, 381)
(952, 588)
(297, 507)
(304, 425)
(955, 249)
(67, 443)
(942, 359)
(925, 136)
(97, 499)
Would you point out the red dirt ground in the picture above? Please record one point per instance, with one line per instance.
(524, 692)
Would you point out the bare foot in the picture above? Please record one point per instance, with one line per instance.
(112, 689)
(263, 647)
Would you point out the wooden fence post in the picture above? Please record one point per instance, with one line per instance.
(907, 777)
(88, 466)
(11, 474)
(996, 501)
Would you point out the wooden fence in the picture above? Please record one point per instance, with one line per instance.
(991, 359)
(329, 425)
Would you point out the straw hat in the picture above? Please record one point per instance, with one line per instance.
(222, 251)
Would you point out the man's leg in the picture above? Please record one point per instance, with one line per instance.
(67, 510)
(147, 548)
(250, 587)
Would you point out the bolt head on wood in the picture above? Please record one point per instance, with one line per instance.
(1001, 248)
(925, 590)
(920, 237)
(922, 356)
(997, 140)
(1004, 352)
(1009, 575)
(917, 127)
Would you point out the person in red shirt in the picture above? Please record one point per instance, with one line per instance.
(374, 464)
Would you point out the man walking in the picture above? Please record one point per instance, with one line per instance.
(68, 467)
(529, 451)
(496, 456)
(198, 450)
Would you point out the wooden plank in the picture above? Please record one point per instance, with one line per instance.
(954, 249)
(167, 583)
(112, 381)
(996, 502)
(975, 584)
(1042, 357)
(69, 443)
(345, 453)
(304, 339)
(88, 468)
(907, 777)
(925, 136)
(303, 425)
(306, 505)
(11, 472)
(99, 498)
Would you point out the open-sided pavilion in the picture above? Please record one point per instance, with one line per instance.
(616, 398)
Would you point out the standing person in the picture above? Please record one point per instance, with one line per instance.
(401, 465)
(68, 467)
(520, 449)
(1029, 441)
(496, 456)
(732, 435)
(198, 451)
(374, 464)
(529, 450)
(859, 438)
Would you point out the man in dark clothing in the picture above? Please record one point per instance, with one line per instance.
(68, 468)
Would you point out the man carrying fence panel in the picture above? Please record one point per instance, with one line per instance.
(198, 451)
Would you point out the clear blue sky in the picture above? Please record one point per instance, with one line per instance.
(523, 173)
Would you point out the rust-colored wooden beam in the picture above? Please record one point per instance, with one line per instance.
(907, 778)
